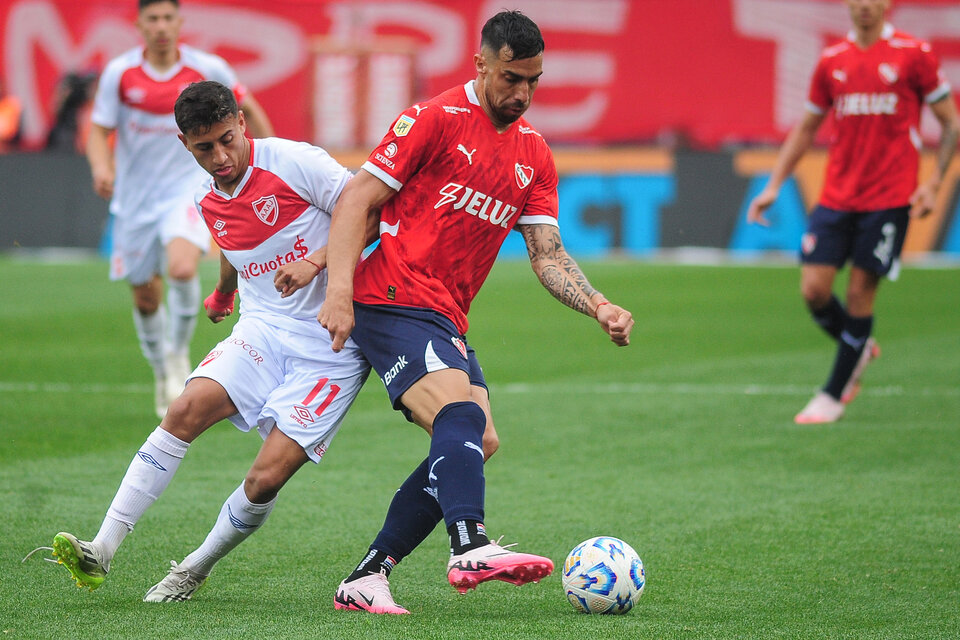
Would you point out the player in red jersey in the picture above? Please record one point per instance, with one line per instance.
(150, 180)
(452, 177)
(875, 83)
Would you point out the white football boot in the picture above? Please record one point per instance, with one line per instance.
(179, 585)
(370, 593)
(822, 409)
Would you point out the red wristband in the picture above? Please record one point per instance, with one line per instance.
(603, 303)
(218, 301)
(313, 263)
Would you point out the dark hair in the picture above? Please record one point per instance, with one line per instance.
(203, 104)
(515, 30)
(146, 3)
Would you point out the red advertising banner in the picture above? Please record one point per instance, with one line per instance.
(706, 72)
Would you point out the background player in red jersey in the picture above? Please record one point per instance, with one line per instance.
(453, 176)
(150, 179)
(875, 83)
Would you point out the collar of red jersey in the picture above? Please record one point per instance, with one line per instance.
(471, 93)
(886, 34)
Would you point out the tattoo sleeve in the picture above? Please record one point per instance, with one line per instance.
(947, 147)
(558, 272)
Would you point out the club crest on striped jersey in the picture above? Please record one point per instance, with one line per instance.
(524, 175)
(267, 209)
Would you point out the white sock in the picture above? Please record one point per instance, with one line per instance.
(148, 475)
(150, 331)
(237, 520)
(183, 302)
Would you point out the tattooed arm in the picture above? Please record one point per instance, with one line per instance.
(560, 275)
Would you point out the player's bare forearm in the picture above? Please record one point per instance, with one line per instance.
(350, 226)
(100, 157)
(798, 141)
(946, 112)
(293, 276)
(924, 198)
(227, 282)
(562, 277)
(557, 271)
(219, 304)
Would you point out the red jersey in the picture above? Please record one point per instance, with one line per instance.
(876, 95)
(461, 187)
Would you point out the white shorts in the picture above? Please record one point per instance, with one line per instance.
(138, 244)
(293, 381)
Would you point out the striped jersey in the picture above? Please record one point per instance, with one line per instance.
(153, 168)
(279, 213)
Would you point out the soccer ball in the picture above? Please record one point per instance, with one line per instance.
(603, 575)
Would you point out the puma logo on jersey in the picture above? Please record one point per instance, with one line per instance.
(476, 204)
(469, 154)
(419, 108)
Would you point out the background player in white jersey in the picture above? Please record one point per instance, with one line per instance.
(150, 180)
(875, 83)
(268, 204)
(453, 176)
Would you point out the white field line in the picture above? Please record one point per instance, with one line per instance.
(522, 388)
(706, 389)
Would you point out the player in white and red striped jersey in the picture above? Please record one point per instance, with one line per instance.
(453, 176)
(150, 180)
(268, 207)
(875, 84)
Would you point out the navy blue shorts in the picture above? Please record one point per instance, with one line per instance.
(403, 344)
(872, 240)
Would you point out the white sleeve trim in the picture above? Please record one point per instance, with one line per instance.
(938, 93)
(382, 175)
(814, 108)
(550, 220)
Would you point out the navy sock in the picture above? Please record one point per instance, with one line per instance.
(414, 512)
(466, 535)
(831, 317)
(456, 461)
(849, 347)
(375, 561)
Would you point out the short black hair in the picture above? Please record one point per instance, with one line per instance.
(146, 3)
(516, 31)
(202, 105)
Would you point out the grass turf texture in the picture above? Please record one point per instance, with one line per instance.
(682, 444)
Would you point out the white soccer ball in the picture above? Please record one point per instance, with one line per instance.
(603, 575)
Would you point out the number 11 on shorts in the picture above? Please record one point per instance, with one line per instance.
(321, 383)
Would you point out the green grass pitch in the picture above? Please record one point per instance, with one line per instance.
(681, 444)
